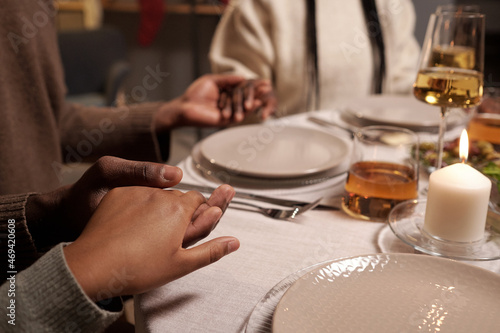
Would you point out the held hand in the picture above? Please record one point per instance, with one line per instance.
(50, 214)
(217, 100)
(198, 106)
(249, 96)
(134, 241)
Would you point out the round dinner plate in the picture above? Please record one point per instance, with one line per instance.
(391, 293)
(224, 176)
(404, 111)
(268, 151)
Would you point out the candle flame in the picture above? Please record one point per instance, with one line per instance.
(464, 146)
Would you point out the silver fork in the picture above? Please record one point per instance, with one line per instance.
(279, 214)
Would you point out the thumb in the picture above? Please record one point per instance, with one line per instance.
(115, 172)
(209, 252)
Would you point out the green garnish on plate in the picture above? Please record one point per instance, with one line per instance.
(492, 169)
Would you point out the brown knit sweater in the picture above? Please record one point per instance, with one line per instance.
(38, 130)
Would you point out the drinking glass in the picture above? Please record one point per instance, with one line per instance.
(457, 8)
(451, 65)
(383, 172)
(485, 127)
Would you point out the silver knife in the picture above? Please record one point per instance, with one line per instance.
(326, 203)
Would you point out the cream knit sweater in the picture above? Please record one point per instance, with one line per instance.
(267, 38)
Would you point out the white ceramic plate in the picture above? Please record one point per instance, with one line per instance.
(232, 177)
(391, 293)
(274, 152)
(260, 320)
(404, 111)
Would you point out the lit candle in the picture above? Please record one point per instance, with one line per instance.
(457, 201)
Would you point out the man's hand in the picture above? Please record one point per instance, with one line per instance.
(136, 240)
(62, 214)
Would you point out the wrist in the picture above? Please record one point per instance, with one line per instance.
(168, 116)
(43, 216)
(82, 270)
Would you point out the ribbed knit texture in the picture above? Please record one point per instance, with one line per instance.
(39, 130)
(48, 299)
(13, 207)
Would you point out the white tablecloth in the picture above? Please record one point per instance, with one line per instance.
(221, 297)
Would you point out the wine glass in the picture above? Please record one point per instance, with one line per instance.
(457, 8)
(451, 65)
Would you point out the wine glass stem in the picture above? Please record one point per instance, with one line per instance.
(442, 130)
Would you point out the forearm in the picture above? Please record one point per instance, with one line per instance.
(46, 297)
(127, 132)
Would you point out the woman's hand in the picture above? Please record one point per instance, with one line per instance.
(248, 97)
(198, 106)
(137, 238)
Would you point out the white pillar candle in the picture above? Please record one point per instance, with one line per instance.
(457, 203)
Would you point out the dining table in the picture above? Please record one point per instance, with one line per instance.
(223, 296)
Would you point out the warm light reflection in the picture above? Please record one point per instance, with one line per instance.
(464, 146)
(431, 99)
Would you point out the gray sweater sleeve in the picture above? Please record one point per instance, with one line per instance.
(46, 298)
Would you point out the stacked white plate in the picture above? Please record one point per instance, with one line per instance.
(272, 154)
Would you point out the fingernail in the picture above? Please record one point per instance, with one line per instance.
(233, 246)
(226, 114)
(238, 116)
(170, 173)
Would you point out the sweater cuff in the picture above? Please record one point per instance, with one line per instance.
(13, 227)
(53, 301)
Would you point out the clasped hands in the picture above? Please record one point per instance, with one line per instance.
(217, 100)
(122, 222)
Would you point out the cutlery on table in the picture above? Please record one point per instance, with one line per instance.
(327, 123)
(325, 203)
(279, 214)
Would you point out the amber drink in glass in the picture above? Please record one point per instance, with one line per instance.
(383, 172)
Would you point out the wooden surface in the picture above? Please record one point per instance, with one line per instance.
(131, 7)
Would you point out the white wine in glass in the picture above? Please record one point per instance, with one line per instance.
(447, 87)
(451, 65)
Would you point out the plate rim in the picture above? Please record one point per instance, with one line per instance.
(223, 176)
(340, 142)
(395, 256)
(353, 112)
(251, 319)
